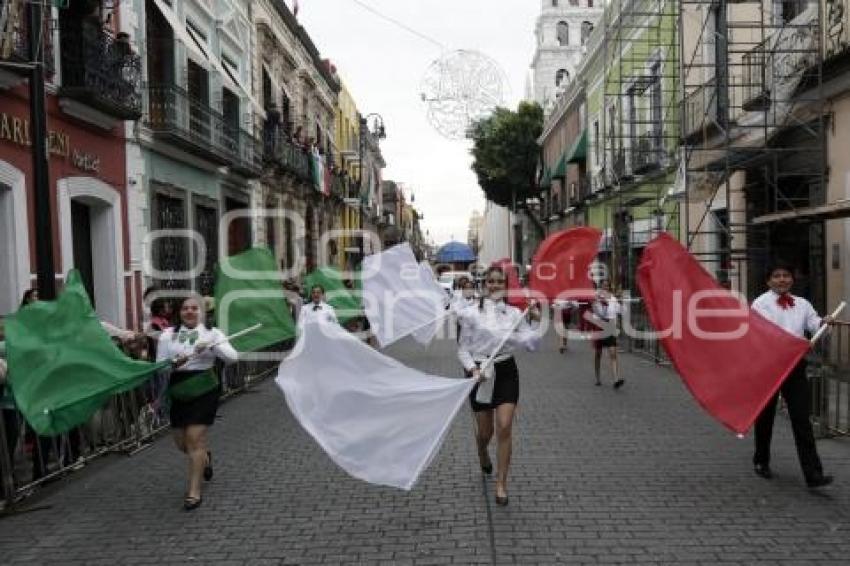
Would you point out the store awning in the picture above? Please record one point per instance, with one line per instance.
(561, 169)
(578, 152)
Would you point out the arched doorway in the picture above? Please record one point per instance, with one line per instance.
(92, 241)
(14, 238)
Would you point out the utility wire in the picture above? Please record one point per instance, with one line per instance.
(402, 25)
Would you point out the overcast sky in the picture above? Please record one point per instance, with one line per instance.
(383, 64)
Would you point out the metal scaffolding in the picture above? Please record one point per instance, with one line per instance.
(753, 146)
(640, 129)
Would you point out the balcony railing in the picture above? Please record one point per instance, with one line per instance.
(280, 151)
(754, 89)
(100, 71)
(14, 39)
(646, 153)
(190, 124)
(774, 69)
(247, 152)
(701, 110)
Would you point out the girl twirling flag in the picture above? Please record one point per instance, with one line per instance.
(483, 331)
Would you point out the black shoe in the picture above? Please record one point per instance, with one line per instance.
(619, 383)
(208, 471)
(763, 470)
(503, 501)
(598, 384)
(819, 480)
(191, 503)
(487, 468)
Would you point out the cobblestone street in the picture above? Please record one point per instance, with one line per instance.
(639, 475)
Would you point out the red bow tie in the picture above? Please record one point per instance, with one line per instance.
(785, 301)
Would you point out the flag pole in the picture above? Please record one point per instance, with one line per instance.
(233, 336)
(489, 360)
(824, 327)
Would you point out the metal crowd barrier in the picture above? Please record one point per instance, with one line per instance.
(828, 369)
(829, 378)
(126, 424)
(638, 333)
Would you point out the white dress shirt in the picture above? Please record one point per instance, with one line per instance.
(483, 329)
(797, 320)
(170, 347)
(459, 302)
(607, 310)
(312, 312)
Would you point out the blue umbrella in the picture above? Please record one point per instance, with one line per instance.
(455, 252)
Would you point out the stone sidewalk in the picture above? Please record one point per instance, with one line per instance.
(639, 475)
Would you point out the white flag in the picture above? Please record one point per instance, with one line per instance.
(377, 419)
(397, 298)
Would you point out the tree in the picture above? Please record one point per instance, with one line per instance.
(506, 153)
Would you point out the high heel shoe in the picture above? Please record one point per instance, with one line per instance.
(191, 503)
(208, 469)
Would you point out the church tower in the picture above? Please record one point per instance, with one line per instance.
(562, 31)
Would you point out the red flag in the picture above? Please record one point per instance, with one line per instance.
(517, 295)
(560, 268)
(732, 360)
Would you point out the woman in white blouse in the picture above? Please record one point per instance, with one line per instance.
(193, 388)
(605, 309)
(483, 326)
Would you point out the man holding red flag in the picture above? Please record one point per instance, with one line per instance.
(797, 316)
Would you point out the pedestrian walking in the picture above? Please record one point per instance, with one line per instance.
(564, 310)
(317, 308)
(605, 309)
(797, 316)
(463, 297)
(194, 389)
(484, 326)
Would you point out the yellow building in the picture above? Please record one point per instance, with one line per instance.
(347, 158)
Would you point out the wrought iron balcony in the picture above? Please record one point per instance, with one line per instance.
(177, 118)
(100, 71)
(247, 152)
(281, 152)
(755, 93)
(646, 153)
(339, 186)
(701, 111)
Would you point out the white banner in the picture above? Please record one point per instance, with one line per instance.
(398, 298)
(377, 419)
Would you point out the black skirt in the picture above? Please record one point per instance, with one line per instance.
(505, 388)
(606, 342)
(200, 410)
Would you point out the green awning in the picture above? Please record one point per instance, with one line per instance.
(561, 169)
(578, 152)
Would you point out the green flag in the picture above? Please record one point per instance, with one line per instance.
(62, 364)
(249, 292)
(345, 302)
